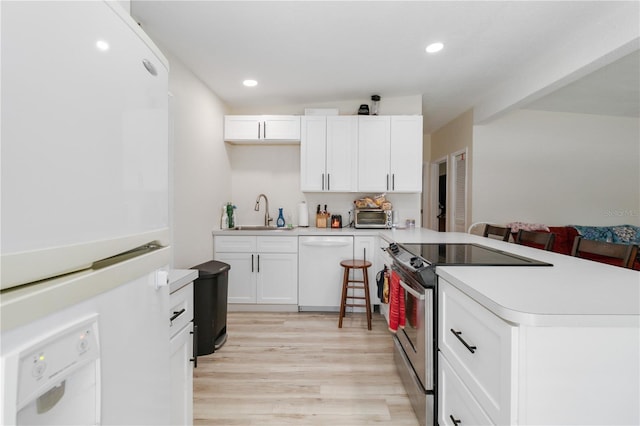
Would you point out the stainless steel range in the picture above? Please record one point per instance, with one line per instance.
(416, 343)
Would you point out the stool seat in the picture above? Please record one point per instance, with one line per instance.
(347, 283)
(355, 263)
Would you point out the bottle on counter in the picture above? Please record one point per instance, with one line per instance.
(280, 220)
(224, 219)
(231, 215)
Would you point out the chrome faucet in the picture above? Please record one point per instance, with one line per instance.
(267, 219)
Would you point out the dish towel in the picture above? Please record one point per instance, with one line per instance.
(396, 304)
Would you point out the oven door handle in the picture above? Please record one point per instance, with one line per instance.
(412, 291)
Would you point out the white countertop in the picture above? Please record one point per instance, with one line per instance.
(573, 292)
(300, 231)
(178, 278)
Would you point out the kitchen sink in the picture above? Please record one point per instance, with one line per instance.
(258, 228)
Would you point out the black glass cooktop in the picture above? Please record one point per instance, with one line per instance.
(468, 255)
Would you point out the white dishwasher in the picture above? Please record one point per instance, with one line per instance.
(320, 273)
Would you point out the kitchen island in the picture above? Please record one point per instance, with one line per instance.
(549, 345)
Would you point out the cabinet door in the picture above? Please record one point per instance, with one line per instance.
(364, 248)
(242, 280)
(374, 139)
(406, 153)
(313, 153)
(242, 127)
(281, 127)
(277, 278)
(456, 405)
(342, 153)
(182, 377)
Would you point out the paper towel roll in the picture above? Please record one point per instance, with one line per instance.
(303, 214)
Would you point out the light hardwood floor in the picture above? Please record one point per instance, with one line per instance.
(301, 369)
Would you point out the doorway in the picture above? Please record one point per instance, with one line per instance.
(439, 194)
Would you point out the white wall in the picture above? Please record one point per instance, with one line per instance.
(271, 170)
(400, 105)
(274, 170)
(201, 172)
(557, 169)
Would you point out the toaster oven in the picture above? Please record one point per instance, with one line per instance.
(373, 218)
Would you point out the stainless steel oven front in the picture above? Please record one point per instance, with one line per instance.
(415, 346)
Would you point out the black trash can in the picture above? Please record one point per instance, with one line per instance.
(210, 305)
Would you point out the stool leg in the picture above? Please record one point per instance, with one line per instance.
(345, 280)
(366, 296)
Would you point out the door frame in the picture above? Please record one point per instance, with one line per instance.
(451, 215)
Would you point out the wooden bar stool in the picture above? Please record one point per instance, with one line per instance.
(348, 265)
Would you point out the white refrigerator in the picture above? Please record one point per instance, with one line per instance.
(84, 302)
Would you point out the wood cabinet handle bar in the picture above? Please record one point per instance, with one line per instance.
(472, 349)
(176, 314)
(454, 420)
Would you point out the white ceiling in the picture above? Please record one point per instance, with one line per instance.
(306, 52)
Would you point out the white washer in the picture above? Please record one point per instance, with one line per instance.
(54, 380)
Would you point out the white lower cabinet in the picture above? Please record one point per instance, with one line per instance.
(264, 269)
(456, 404)
(182, 355)
(479, 347)
(496, 372)
(365, 248)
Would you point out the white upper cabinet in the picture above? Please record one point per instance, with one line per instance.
(374, 146)
(390, 153)
(262, 128)
(328, 151)
(406, 153)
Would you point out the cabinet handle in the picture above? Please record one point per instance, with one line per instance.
(323, 181)
(251, 263)
(454, 420)
(258, 263)
(195, 346)
(472, 349)
(264, 130)
(176, 314)
(328, 182)
(259, 129)
(393, 182)
(387, 182)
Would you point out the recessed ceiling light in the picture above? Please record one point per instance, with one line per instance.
(250, 83)
(102, 45)
(434, 47)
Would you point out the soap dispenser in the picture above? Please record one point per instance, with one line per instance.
(280, 221)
